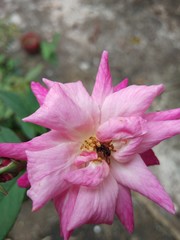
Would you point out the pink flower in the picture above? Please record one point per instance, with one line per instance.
(97, 150)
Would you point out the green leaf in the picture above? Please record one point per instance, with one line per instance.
(7, 135)
(2, 58)
(2, 190)
(27, 128)
(49, 49)
(9, 207)
(22, 106)
(10, 204)
(15, 102)
(34, 73)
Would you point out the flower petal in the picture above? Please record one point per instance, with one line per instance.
(90, 176)
(95, 205)
(126, 134)
(121, 128)
(103, 84)
(124, 208)
(39, 91)
(136, 176)
(64, 204)
(23, 181)
(126, 149)
(171, 114)
(14, 150)
(157, 132)
(60, 112)
(84, 158)
(121, 85)
(46, 170)
(131, 101)
(149, 158)
(18, 150)
(49, 83)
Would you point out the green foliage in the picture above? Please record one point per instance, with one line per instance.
(33, 73)
(49, 49)
(10, 206)
(8, 31)
(12, 80)
(11, 196)
(7, 135)
(22, 105)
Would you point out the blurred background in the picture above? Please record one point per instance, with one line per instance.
(62, 40)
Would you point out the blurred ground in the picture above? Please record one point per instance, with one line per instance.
(143, 40)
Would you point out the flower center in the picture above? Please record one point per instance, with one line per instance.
(103, 149)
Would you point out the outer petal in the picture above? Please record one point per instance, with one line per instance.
(39, 91)
(23, 181)
(164, 115)
(60, 112)
(121, 85)
(131, 101)
(103, 84)
(95, 205)
(149, 158)
(46, 170)
(136, 176)
(121, 128)
(65, 205)
(124, 208)
(49, 83)
(18, 150)
(90, 176)
(159, 131)
(14, 150)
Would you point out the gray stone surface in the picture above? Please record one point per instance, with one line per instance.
(143, 40)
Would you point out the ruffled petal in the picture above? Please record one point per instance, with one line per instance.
(149, 158)
(60, 112)
(23, 181)
(124, 208)
(125, 133)
(46, 167)
(121, 128)
(172, 114)
(131, 101)
(136, 176)
(95, 205)
(64, 204)
(121, 85)
(157, 132)
(103, 84)
(126, 149)
(39, 91)
(85, 157)
(90, 176)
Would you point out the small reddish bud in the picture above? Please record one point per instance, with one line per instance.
(30, 42)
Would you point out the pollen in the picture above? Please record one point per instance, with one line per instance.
(103, 149)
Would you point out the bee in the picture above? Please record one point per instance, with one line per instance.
(104, 152)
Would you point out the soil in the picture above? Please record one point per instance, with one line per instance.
(143, 40)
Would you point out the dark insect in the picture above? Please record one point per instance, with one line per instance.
(104, 152)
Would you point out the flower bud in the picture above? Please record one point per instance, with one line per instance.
(10, 168)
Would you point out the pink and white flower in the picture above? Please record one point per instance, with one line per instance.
(97, 150)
